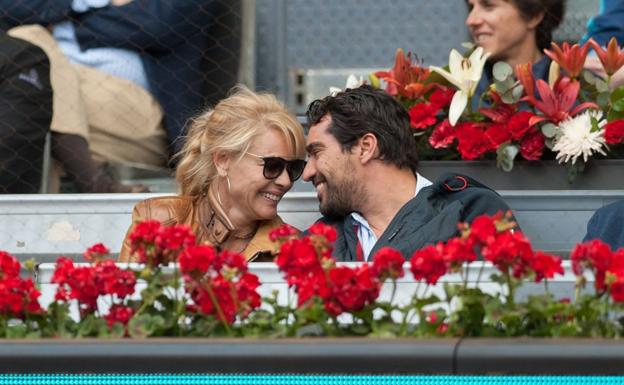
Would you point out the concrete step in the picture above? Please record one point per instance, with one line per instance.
(46, 226)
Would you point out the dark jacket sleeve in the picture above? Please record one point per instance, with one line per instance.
(44, 12)
(607, 224)
(143, 24)
(476, 198)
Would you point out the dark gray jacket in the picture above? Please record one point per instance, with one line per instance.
(431, 216)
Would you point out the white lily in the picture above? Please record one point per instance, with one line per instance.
(352, 82)
(464, 74)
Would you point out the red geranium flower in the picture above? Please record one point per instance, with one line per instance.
(96, 252)
(429, 264)
(388, 263)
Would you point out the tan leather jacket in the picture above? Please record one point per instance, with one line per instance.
(208, 222)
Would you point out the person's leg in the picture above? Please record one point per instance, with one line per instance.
(25, 114)
(70, 128)
(125, 121)
(73, 153)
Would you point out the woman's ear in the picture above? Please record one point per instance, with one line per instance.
(367, 148)
(222, 162)
(536, 20)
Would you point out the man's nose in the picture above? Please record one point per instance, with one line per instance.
(309, 171)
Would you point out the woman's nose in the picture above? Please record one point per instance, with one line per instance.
(474, 18)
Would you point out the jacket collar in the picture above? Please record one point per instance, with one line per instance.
(216, 226)
(213, 219)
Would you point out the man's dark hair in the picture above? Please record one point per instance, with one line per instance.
(363, 110)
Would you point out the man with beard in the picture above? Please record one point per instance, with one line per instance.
(362, 160)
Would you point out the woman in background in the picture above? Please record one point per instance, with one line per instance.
(239, 160)
(513, 31)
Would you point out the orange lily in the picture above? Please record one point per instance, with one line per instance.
(524, 73)
(570, 58)
(612, 59)
(406, 78)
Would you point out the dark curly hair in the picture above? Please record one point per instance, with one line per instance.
(553, 10)
(359, 111)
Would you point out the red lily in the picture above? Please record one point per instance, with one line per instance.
(500, 112)
(557, 104)
(406, 78)
(570, 58)
(612, 59)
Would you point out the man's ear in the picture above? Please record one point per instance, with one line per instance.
(367, 148)
(222, 162)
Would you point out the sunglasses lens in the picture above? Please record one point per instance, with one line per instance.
(295, 169)
(273, 167)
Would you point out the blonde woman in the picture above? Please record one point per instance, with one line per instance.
(239, 160)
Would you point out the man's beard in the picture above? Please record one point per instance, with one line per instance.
(340, 198)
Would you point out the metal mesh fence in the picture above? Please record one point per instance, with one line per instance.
(66, 95)
(113, 82)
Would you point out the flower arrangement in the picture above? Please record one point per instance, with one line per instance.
(572, 117)
(212, 293)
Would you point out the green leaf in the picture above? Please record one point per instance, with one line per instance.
(16, 331)
(311, 330)
(617, 99)
(374, 80)
(589, 77)
(501, 71)
(516, 93)
(601, 86)
(549, 130)
(602, 99)
(505, 155)
(145, 325)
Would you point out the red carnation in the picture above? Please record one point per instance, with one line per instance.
(614, 131)
(443, 135)
(423, 115)
(472, 142)
(518, 124)
(497, 134)
(441, 97)
(532, 146)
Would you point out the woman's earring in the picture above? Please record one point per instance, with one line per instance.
(227, 178)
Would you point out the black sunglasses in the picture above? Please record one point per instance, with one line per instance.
(274, 167)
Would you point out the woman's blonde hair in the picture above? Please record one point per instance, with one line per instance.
(230, 127)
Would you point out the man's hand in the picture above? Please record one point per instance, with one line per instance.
(593, 64)
(119, 3)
